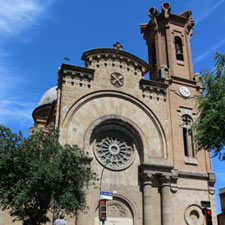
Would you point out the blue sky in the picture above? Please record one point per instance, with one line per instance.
(36, 35)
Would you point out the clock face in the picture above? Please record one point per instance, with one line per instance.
(184, 91)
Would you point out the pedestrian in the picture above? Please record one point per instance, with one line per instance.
(60, 220)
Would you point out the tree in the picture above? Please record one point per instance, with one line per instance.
(210, 125)
(38, 174)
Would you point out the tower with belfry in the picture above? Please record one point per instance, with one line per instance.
(137, 130)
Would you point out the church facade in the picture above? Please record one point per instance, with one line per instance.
(136, 130)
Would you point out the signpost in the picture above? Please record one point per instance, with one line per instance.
(106, 195)
(102, 202)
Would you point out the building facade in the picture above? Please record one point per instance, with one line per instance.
(221, 216)
(137, 130)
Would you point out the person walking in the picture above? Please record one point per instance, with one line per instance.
(60, 220)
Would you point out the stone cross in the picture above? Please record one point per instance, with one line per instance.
(67, 59)
(118, 46)
(186, 120)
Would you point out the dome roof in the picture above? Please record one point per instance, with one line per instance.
(49, 96)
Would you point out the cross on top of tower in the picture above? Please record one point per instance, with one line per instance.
(118, 46)
(67, 59)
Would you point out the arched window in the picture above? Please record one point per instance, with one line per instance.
(188, 136)
(179, 48)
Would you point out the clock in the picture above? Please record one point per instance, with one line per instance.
(184, 91)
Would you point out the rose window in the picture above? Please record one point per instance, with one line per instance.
(114, 152)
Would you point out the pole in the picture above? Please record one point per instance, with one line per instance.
(100, 187)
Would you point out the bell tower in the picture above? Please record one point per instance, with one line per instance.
(168, 39)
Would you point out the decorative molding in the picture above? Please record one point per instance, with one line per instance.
(118, 209)
(190, 21)
(147, 178)
(70, 75)
(173, 180)
(166, 8)
(118, 46)
(164, 179)
(117, 79)
(170, 179)
(114, 145)
(164, 73)
(193, 215)
(169, 176)
(212, 181)
(113, 152)
(183, 81)
(155, 168)
(192, 174)
(153, 12)
(199, 82)
(190, 160)
(115, 58)
(182, 111)
(185, 20)
(153, 90)
(166, 175)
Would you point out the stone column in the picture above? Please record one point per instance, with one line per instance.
(147, 199)
(166, 201)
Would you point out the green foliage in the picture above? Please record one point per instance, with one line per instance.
(38, 174)
(210, 126)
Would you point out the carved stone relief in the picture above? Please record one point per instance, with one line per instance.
(166, 8)
(118, 209)
(115, 210)
(164, 72)
(117, 79)
(114, 152)
(193, 215)
(185, 116)
(197, 78)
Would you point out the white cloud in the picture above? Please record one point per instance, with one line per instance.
(17, 15)
(208, 52)
(15, 107)
(16, 112)
(208, 9)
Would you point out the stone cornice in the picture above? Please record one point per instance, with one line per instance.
(192, 174)
(153, 90)
(155, 169)
(163, 19)
(75, 76)
(181, 80)
(114, 55)
(39, 109)
(210, 177)
(165, 174)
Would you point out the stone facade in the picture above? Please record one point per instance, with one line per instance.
(137, 129)
(221, 216)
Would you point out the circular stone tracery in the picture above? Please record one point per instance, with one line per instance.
(117, 79)
(114, 152)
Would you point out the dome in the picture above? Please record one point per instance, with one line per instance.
(49, 96)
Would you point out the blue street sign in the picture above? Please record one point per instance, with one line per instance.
(106, 195)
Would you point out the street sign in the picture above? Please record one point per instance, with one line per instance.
(106, 195)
